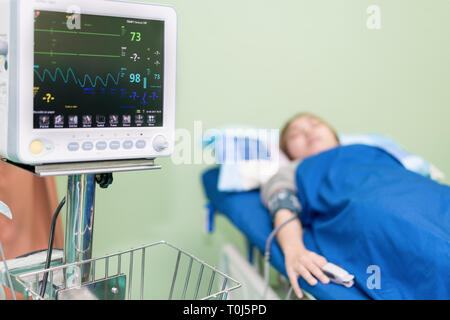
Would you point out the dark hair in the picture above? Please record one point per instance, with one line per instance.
(283, 142)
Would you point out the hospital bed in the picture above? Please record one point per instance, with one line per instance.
(232, 190)
(247, 213)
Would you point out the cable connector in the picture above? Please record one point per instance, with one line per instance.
(104, 180)
(338, 275)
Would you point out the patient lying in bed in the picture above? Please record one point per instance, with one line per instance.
(363, 208)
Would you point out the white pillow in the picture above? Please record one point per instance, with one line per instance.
(246, 173)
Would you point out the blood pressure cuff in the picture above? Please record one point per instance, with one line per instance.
(285, 199)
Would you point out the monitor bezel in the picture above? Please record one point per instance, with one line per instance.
(27, 133)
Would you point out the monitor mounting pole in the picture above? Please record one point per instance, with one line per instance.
(79, 232)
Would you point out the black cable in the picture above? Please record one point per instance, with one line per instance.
(267, 252)
(50, 246)
(104, 180)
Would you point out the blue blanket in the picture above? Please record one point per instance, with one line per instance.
(388, 226)
(247, 213)
(362, 210)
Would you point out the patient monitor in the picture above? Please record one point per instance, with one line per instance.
(86, 80)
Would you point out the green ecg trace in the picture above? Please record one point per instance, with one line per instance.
(79, 32)
(76, 54)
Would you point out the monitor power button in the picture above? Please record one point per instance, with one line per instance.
(160, 143)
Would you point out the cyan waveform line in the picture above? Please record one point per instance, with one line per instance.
(70, 74)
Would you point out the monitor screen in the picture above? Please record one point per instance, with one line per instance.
(93, 71)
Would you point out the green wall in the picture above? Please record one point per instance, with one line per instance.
(258, 62)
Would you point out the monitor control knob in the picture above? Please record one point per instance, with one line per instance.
(160, 143)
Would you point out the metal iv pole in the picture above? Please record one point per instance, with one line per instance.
(79, 224)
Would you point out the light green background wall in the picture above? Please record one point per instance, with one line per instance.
(258, 62)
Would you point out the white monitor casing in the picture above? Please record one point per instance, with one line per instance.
(18, 139)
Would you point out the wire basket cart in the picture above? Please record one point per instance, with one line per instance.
(152, 272)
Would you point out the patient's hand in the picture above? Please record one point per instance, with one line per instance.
(304, 263)
(298, 260)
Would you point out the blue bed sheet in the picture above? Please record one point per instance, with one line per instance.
(362, 209)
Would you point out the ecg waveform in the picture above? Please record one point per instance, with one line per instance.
(70, 75)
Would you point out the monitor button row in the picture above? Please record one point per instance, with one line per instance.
(102, 145)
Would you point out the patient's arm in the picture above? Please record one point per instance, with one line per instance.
(280, 192)
(283, 180)
(298, 260)
(279, 195)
